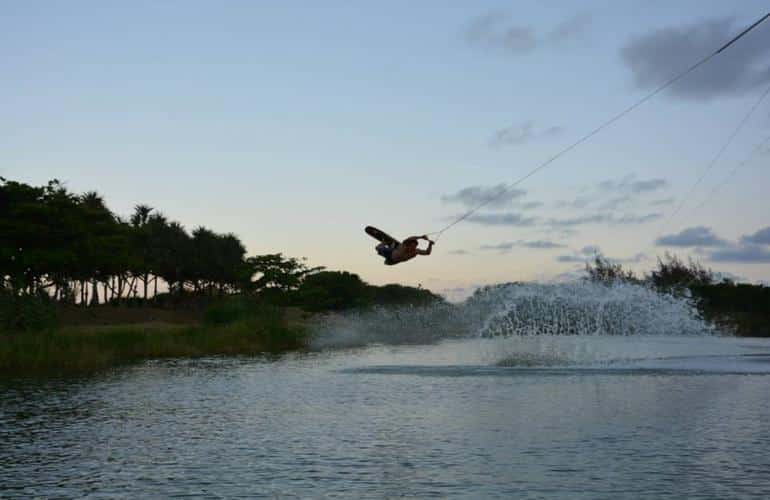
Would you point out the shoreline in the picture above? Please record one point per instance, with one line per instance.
(83, 349)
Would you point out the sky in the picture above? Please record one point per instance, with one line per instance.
(295, 124)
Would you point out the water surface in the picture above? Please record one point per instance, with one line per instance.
(601, 417)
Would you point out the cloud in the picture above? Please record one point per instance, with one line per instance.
(541, 244)
(503, 247)
(616, 192)
(496, 196)
(662, 202)
(615, 203)
(459, 252)
(590, 252)
(572, 258)
(584, 254)
(520, 134)
(535, 245)
(531, 205)
(745, 253)
(655, 57)
(494, 30)
(578, 221)
(578, 203)
(761, 237)
(630, 185)
(699, 236)
(639, 257)
(648, 186)
(574, 27)
(632, 219)
(603, 218)
(503, 219)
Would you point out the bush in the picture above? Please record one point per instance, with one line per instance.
(26, 313)
(399, 295)
(674, 275)
(332, 291)
(604, 271)
(232, 309)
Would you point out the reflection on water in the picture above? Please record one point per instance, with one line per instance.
(614, 418)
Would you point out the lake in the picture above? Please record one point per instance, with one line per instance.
(517, 417)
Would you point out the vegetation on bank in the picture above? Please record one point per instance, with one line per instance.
(740, 308)
(62, 252)
(73, 350)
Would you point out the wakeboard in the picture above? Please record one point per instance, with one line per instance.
(381, 236)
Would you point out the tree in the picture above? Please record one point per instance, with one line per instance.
(275, 272)
(674, 275)
(174, 256)
(332, 291)
(141, 237)
(604, 271)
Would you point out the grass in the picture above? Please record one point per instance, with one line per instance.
(82, 349)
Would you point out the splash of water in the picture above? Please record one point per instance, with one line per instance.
(523, 310)
(584, 308)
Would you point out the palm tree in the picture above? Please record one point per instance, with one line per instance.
(139, 220)
(140, 215)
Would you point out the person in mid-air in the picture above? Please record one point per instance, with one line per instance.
(406, 250)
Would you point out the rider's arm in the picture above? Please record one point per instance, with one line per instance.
(427, 250)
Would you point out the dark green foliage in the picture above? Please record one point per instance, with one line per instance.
(332, 291)
(70, 351)
(246, 312)
(743, 308)
(229, 310)
(23, 313)
(73, 249)
(674, 275)
(399, 295)
(604, 271)
(275, 273)
(341, 290)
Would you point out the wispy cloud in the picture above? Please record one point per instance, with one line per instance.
(657, 55)
(502, 219)
(541, 244)
(583, 255)
(530, 205)
(534, 245)
(662, 202)
(632, 219)
(495, 31)
(494, 196)
(613, 194)
(579, 220)
(522, 133)
(629, 184)
(699, 236)
(615, 203)
(590, 252)
(603, 218)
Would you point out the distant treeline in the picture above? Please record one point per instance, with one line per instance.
(70, 248)
(739, 307)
